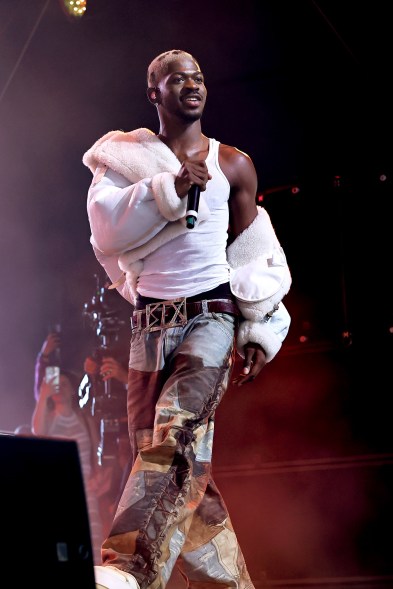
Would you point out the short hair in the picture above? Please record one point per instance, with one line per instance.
(159, 63)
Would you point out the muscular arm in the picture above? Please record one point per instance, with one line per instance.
(239, 169)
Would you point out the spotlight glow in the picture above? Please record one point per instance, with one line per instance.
(75, 8)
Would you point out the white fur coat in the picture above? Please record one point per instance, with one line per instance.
(259, 274)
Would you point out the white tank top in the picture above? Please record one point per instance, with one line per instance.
(195, 261)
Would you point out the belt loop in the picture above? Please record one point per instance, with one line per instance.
(205, 306)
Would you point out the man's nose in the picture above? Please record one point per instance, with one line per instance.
(190, 83)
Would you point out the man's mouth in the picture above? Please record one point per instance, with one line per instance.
(193, 100)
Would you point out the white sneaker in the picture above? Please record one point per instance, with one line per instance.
(110, 577)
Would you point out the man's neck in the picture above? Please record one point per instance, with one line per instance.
(185, 141)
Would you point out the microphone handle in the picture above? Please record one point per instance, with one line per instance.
(192, 206)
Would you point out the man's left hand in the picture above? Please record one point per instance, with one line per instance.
(254, 361)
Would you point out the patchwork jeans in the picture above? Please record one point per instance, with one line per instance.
(171, 512)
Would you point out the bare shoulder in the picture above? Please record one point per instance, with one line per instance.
(238, 167)
(235, 163)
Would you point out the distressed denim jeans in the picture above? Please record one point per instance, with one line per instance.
(171, 512)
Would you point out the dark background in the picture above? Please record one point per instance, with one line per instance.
(304, 88)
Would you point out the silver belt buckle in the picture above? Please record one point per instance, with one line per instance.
(156, 315)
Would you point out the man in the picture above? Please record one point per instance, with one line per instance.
(192, 295)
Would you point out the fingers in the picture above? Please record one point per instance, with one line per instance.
(249, 361)
(254, 361)
(49, 388)
(247, 367)
(109, 368)
(192, 172)
(244, 378)
(109, 363)
(51, 343)
(107, 373)
(198, 174)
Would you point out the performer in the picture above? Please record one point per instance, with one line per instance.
(198, 294)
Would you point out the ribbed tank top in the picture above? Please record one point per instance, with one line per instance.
(195, 261)
(70, 427)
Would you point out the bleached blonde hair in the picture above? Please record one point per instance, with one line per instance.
(157, 67)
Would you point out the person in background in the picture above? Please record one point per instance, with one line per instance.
(46, 357)
(175, 225)
(115, 370)
(57, 414)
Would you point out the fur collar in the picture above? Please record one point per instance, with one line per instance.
(150, 156)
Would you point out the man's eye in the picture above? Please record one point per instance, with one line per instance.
(178, 79)
(199, 80)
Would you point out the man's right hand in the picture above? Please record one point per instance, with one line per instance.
(191, 172)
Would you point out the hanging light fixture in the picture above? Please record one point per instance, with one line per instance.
(76, 8)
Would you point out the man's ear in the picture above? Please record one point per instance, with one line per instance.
(153, 95)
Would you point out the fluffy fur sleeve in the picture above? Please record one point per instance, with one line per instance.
(259, 279)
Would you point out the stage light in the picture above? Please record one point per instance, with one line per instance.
(294, 189)
(75, 8)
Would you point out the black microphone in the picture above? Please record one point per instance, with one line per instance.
(192, 205)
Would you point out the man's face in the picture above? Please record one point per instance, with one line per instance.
(181, 90)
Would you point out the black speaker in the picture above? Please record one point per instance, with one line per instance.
(45, 533)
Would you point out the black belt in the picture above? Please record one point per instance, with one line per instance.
(165, 314)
